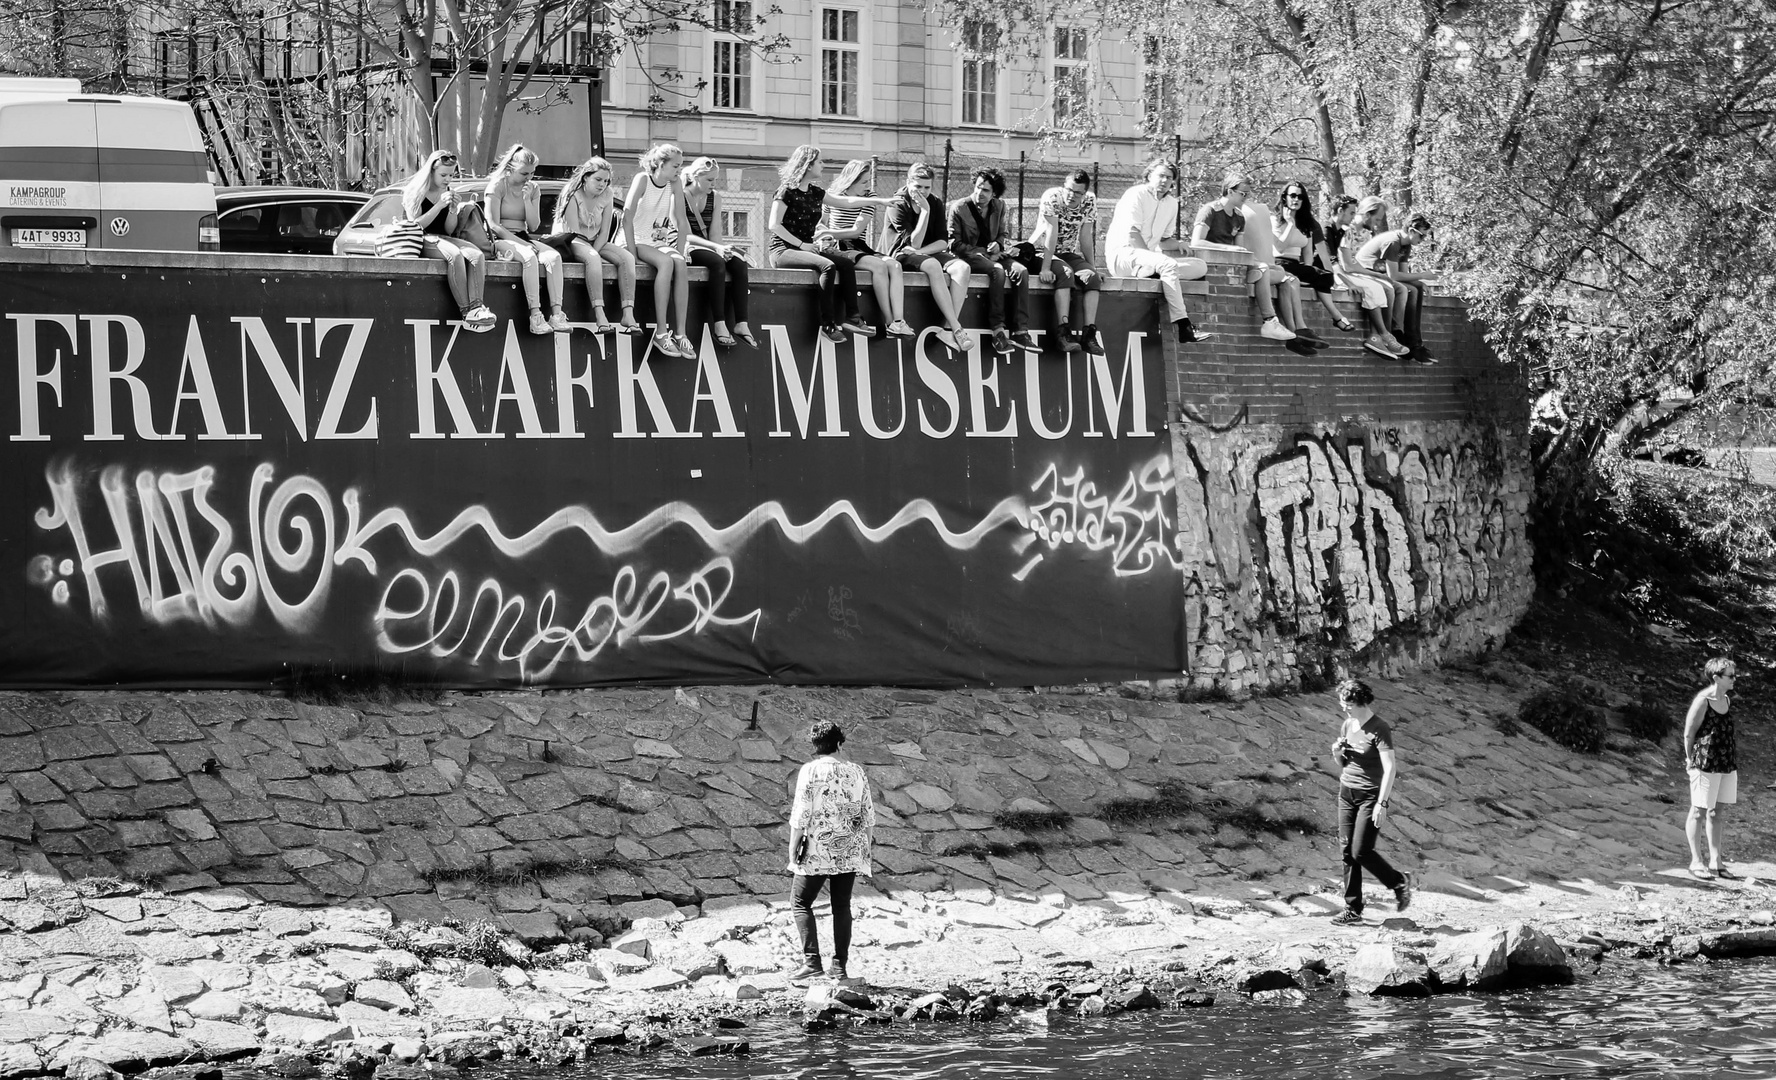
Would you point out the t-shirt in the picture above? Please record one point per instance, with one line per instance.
(903, 217)
(1068, 219)
(1390, 246)
(1334, 235)
(1362, 758)
(1225, 226)
(1292, 243)
(839, 219)
(801, 213)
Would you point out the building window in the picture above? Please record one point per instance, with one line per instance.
(733, 16)
(1159, 90)
(980, 72)
(1071, 75)
(839, 61)
(733, 75)
(736, 224)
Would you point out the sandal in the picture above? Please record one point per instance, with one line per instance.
(628, 327)
(725, 340)
(1700, 872)
(601, 323)
(1343, 324)
(746, 336)
(1721, 871)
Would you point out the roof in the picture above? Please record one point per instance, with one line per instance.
(255, 191)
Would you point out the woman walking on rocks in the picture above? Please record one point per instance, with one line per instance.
(830, 830)
(1365, 746)
(1712, 760)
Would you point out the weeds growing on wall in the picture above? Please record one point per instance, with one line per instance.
(1032, 820)
(1564, 713)
(488, 875)
(1174, 800)
(318, 685)
(1645, 719)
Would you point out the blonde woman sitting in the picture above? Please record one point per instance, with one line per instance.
(655, 229)
(514, 217)
(428, 201)
(585, 228)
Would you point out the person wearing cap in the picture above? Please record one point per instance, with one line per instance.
(1222, 223)
(1144, 216)
(1386, 254)
(1374, 293)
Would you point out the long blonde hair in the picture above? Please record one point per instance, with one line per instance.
(413, 192)
(800, 161)
(575, 182)
(502, 172)
(850, 174)
(656, 155)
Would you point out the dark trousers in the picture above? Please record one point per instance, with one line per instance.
(1414, 314)
(727, 284)
(999, 275)
(837, 295)
(1356, 840)
(802, 892)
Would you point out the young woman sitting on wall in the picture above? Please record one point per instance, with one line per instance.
(726, 263)
(796, 245)
(655, 229)
(428, 201)
(514, 217)
(585, 228)
(852, 230)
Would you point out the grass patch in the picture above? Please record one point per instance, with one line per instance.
(1032, 820)
(999, 850)
(1175, 800)
(1191, 694)
(486, 874)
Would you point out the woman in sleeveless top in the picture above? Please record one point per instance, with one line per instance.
(1365, 749)
(655, 229)
(427, 200)
(514, 217)
(728, 290)
(795, 243)
(585, 229)
(1711, 757)
(831, 827)
(852, 227)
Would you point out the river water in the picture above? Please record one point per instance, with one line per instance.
(1632, 1019)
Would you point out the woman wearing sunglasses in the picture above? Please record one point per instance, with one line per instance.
(1299, 240)
(429, 202)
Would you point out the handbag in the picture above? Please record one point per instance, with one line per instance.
(401, 238)
(471, 226)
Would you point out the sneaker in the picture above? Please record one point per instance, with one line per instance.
(1001, 341)
(1347, 917)
(899, 328)
(1274, 329)
(1300, 347)
(1088, 338)
(1394, 329)
(808, 972)
(947, 338)
(834, 333)
(479, 319)
(1188, 334)
(538, 324)
(1024, 341)
(836, 972)
(1070, 343)
(1374, 343)
(665, 345)
(856, 325)
(1307, 332)
(1393, 345)
(558, 322)
(1403, 894)
(685, 348)
(1421, 355)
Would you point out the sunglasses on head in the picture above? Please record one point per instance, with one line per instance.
(451, 158)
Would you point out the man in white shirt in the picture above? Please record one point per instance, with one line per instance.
(1146, 215)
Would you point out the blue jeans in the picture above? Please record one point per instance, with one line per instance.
(802, 892)
(1356, 842)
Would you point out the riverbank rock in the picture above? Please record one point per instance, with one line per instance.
(1384, 970)
(1738, 943)
(1535, 958)
(1479, 961)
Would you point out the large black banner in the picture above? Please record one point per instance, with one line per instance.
(214, 476)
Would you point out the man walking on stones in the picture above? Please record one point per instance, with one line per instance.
(831, 827)
(1712, 760)
(1365, 746)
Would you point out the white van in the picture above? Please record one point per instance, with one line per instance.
(99, 171)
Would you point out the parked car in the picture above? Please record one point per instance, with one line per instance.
(359, 235)
(284, 220)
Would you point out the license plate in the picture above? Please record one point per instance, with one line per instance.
(61, 238)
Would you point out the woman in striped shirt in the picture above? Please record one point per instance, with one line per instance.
(851, 227)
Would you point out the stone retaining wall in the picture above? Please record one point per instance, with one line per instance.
(537, 809)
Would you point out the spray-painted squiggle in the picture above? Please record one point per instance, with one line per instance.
(1133, 526)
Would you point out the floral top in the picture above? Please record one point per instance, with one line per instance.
(837, 814)
(1713, 749)
(1067, 219)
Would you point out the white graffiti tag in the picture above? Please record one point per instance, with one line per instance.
(1134, 525)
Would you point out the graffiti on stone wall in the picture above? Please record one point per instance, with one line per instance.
(167, 541)
(1353, 545)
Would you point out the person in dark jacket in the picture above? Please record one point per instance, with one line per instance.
(977, 236)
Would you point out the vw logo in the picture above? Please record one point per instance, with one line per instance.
(120, 226)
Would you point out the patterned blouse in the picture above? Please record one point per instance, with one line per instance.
(1068, 219)
(1713, 750)
(837, 814)
(801, 213)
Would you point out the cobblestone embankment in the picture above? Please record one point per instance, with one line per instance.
(199, 876)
